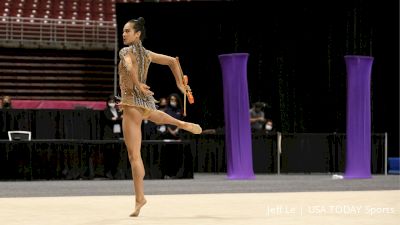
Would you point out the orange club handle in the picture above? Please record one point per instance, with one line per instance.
(189, 93)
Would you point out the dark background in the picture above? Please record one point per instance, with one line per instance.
(296, 63)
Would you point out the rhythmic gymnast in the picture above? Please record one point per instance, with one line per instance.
(137, 101)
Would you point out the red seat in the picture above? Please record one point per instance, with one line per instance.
(62, 9)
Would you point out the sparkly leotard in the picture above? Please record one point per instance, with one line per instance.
(130, 95)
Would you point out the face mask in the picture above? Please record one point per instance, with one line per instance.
(6, 104)
(162, 129)
(111, 105)
(173, 104)
(268, 127)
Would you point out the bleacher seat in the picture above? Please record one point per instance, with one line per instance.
(57, 74)
(100, 10)
(55, 25)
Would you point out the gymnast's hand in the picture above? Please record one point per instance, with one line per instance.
(145, 89)
(184, 88)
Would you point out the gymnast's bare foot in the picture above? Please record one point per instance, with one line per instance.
(138, 206)
(192, 127)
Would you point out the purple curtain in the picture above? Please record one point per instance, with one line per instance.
(358, 121)
(237, 116)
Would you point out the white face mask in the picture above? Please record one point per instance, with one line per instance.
(173, 104)
(162, 128)
(268, 127)
(111, 105)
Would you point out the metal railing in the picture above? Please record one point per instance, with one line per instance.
(63, 33)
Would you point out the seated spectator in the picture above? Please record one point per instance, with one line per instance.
(163, 104)
(113, 123)
(161, 129)
(269, 127)
(112, 130)
(174, 109)
(6, 103)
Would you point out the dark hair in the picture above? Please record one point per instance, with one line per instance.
(138, 25)
(111, 98)
(179, 105)
(259, 105)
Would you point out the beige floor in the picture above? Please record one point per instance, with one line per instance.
(360, 208)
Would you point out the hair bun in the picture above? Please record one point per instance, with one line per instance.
(141, 20)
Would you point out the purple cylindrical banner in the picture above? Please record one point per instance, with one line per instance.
(237, 117)
(358, 117)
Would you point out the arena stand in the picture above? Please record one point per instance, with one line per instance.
(58, 50)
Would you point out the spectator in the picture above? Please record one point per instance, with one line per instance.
(112, 130)
(6, 103)
(174, 109)
(163, 104)
(257, 117)
(161, 129)
(269, 127)
(112, 127)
